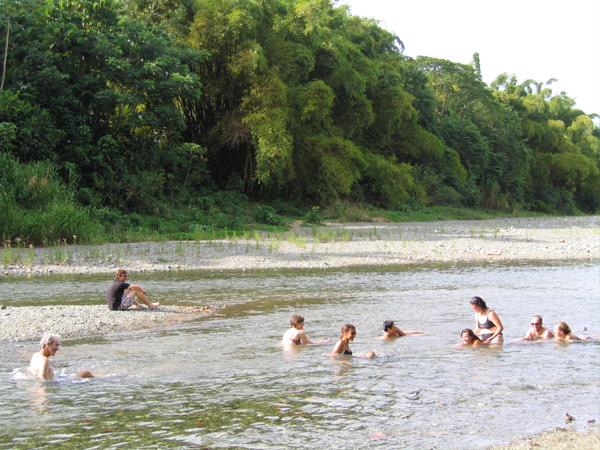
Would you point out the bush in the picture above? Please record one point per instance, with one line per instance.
(267, 215)
(389, 184)
(38, 208)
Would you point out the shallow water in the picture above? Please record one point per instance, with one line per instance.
(223, 382)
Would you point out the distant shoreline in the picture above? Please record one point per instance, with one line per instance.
(334, 246)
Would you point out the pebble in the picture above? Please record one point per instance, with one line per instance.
(29, 323)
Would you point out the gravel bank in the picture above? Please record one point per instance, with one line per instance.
(559, 439)
(334, 245)
(26, 323)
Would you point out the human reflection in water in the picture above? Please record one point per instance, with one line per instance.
(38, 398)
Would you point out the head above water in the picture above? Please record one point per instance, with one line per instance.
(478, 303)
(296, 320)
(48, 339)
(563, 327)
(536, 320)
(388, 324)
(468, 336)
(348, 329)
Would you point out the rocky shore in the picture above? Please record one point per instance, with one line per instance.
(563, 239)
(333, 245)
(29, 323)
(559, 439)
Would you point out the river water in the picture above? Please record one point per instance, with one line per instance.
(223, 381)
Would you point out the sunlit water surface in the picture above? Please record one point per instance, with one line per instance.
(223, 382)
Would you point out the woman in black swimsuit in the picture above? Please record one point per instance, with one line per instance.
(342, 347)
(488, 325)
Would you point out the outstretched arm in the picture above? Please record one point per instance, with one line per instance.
(413, 333)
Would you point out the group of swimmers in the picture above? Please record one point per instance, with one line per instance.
(488, 330)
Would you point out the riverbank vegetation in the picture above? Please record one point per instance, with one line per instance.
(124, 120)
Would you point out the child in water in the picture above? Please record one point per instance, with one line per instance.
(295, 335)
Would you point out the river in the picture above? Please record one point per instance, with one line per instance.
(224, 382)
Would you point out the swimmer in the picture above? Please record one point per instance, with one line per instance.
(563, 333)
(469, 339)
(342, 347)
(391, 331)
(488, 325)
(537, 330)
(40, 366)
(295, 335)
(121, 295)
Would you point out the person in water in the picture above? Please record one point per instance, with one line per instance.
(295, 335)
(469, 339)
(488, 325)
(342, 347)
(563, 333)
(537, 330)
(391, 331)
(40, 366)
(121, 295)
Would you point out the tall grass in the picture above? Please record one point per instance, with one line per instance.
(37, 207)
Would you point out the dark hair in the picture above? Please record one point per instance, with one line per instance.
(471, 333)
(295, 319)
(478, 302)
(388, 324)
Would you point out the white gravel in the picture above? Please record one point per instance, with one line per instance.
(560, 239)
(334, 245)
(25, 323)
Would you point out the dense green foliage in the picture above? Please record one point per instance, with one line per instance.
(147, 107)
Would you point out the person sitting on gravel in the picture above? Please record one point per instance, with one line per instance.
(121, 295)
(40, 366)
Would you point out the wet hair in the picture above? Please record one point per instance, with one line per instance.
(562, 326)
(347, 327)
(472, 335)
(538, 317)
(478, 302)
(121, 272)
(48, 339)
(388, 324)
(296, 319)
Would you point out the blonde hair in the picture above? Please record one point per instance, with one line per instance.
(48, 339)
(121, 272)
(562, 326)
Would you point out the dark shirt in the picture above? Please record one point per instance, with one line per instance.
(114, 294)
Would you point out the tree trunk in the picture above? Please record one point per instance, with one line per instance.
(5, 53)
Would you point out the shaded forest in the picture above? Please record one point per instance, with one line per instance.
(113, 110)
